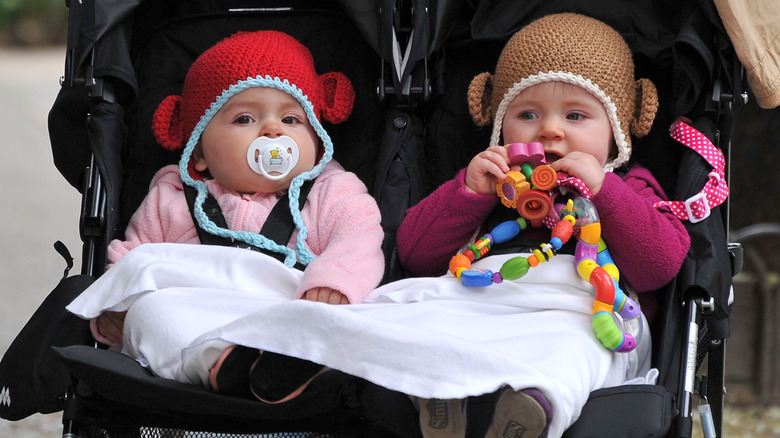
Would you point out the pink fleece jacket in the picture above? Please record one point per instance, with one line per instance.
(648, 245)
(342, 218)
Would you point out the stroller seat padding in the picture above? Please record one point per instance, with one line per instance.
(118, 378)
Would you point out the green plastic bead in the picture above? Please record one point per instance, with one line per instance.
(604, 326)
(526, 170)
(514, 268)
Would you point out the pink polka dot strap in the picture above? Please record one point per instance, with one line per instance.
(697, 207)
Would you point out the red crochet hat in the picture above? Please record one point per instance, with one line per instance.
(246, 60)
(268, 55)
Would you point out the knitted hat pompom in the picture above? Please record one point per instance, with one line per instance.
(167, 124)
(574, 49)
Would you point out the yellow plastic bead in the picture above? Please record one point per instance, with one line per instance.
(613, 271)
(585, 267)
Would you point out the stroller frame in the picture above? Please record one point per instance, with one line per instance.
(409, 80)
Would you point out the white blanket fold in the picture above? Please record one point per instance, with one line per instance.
(427, 337)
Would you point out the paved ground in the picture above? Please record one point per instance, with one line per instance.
(39, 207)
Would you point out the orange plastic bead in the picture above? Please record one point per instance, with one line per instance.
(510, 188)
(534, 205)
(598, 306)
(591, 233)
(544, 177)
(533, 261)
(563, 230)
(459, 261)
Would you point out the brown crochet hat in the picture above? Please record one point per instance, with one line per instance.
(575, 49)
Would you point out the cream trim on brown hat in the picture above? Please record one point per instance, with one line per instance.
(579, 50)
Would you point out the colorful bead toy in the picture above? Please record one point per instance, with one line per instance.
(533, 203)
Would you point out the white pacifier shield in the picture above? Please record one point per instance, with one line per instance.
(274, 158)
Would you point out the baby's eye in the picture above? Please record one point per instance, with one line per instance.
(291, 120)
(244, 120)
(528, 115)
(575, 116)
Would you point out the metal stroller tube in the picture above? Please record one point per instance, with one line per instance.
(93, 208)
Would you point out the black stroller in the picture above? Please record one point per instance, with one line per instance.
(411, 62)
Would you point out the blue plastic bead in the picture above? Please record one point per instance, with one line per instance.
(604, 258)
(474, 278)
(505, 231)
(556, 243)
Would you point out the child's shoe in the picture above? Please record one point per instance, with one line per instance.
(441, 418)
(230, 374)
(276, 378)
(526, 413)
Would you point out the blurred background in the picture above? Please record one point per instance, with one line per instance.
(40, 208)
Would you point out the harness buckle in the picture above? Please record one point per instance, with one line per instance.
(701, 196)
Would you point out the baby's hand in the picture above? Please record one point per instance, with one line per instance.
(325, 295)
(583, 166)
(485, 169)
(109, 325)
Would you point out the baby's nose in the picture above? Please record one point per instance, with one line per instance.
(550, 130)
(271, 129)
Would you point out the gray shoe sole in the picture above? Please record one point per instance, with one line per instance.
(441, 418)
(517, 415)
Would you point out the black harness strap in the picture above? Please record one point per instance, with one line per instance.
(278, 227)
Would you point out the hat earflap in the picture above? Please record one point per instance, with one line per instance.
(339, 97)
(480, 96)
(645, 108)
(167, 123)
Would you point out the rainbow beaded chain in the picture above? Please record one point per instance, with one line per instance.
(592, 259)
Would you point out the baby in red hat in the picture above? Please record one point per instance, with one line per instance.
(248, 120)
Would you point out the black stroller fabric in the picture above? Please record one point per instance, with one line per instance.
(402, 149)
(33, 378)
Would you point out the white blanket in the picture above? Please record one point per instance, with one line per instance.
(427, 337)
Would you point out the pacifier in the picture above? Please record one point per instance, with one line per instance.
(274, 158)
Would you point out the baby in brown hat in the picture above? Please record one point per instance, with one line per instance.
(566, 83)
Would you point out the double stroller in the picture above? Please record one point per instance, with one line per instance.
(410, 62)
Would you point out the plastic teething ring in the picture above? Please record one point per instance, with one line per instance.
(534, 205)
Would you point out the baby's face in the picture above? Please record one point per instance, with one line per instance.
(563, 117)
(250, 114)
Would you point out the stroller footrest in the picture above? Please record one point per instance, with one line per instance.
(625, 411)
